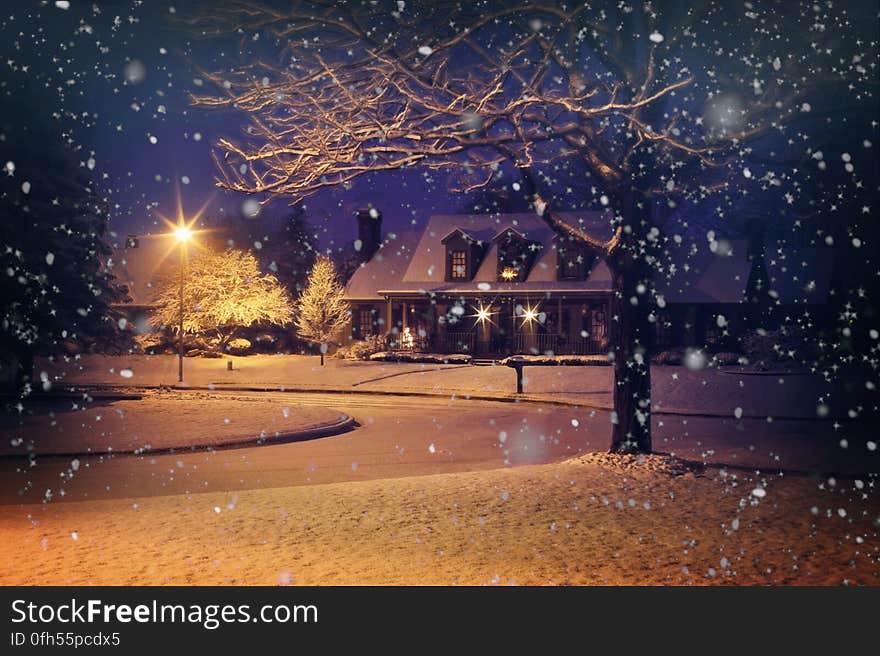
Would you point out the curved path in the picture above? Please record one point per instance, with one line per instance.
(157, 422)
(406, 436)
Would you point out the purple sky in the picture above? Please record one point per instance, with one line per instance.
(145, 139)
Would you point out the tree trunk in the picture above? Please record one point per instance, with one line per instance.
(632, 332)
(630, 341)
(322, 358)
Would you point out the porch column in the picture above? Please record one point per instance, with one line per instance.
(388, 315)
(405, 317)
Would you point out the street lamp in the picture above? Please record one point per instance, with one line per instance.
(182, 234)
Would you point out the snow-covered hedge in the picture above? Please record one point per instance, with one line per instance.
(361, 349)
(556, 360)
(413, 356)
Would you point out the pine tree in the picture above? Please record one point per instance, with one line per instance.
(223, 291)
(322, 311)
(57, 293)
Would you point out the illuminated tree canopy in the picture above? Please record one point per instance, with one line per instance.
(223, 291)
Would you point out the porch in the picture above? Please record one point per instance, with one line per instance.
(488, 325)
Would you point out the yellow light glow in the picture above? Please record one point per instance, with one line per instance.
(183, 233)
(529, 314)
(508, 273)
(483, 313)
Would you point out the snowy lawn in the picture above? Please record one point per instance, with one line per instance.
(157, 422)
(675, 388)
(593, 520)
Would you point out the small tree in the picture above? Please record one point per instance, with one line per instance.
(321, 311)
(222, 292)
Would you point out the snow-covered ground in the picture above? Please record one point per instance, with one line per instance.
(350, 510)
(675, 389)
(592, 520)
(156, 422)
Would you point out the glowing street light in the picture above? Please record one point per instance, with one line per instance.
(182, 234)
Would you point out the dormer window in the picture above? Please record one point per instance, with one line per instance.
(515, 255)
(509, 273)
(573, 261)
(463, 255)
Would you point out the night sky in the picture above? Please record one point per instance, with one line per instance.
(117, 75)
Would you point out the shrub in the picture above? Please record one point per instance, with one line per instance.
(239, 346)
(362, 349)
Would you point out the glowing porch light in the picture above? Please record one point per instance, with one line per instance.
(508, 273)
(183, 233)
(529, 314)
(483, 313)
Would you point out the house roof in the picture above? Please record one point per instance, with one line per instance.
(415, 264)
(419, 266)
(385, 268)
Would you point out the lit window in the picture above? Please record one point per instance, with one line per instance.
(509, 273)
(458, 265)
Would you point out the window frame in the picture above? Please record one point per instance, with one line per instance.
(458, 270)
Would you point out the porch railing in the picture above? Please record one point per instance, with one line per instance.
(537, 344)
(541, 343)
(458, 341)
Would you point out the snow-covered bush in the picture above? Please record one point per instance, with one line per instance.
(239, 346)
(362, 349)
(555, 360)
(728, 358)
(415, 356)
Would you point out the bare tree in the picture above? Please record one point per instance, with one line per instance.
(636, 101)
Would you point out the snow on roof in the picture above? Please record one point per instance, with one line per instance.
(428, 264)
(458, 231)
(384, 269)
(420, 266)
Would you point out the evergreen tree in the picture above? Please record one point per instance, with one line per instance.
(282, 241)
(222, 292)
(321, 311)
(290, 252)
(57, 293)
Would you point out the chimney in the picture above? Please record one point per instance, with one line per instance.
(369, 232)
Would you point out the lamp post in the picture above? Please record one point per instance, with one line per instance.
(182, 234)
